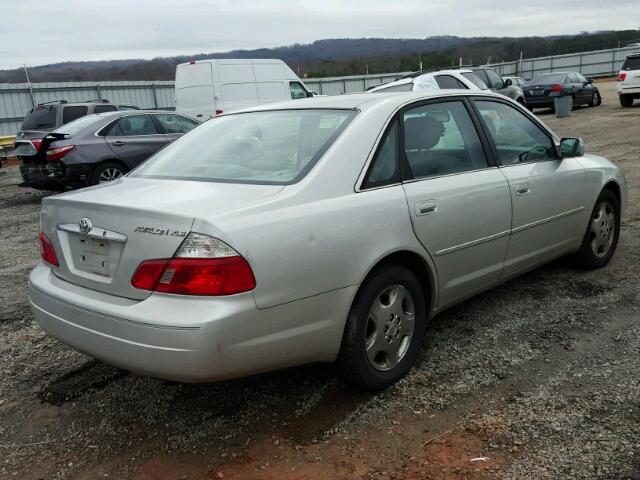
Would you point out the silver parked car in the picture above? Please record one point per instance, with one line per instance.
(321, 230)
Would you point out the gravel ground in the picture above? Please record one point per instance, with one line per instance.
(537, 378)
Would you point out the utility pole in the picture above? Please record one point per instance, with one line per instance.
(26, 74)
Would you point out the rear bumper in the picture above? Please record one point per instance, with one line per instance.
(192, 339)
(54, 175)
(543, 102)
(621, 89)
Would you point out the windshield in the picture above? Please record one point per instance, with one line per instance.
(269, 147)
(40, 119)
(76, 126)
(473, 78)
(547, 79)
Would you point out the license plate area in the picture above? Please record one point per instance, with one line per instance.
(93, 255)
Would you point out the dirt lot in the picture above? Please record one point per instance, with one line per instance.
(536, 379)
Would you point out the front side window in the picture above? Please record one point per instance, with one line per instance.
(265, 147)
(297, 90)
(73, 112)
(517, 138)
(448, 82)
(440, 139)
(494, 79)
(175, 123)
(132, 125)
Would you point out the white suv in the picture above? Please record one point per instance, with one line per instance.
(629, 80)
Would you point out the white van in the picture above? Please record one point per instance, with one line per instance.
(206, 88)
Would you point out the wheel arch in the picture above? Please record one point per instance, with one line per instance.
(614, 188)
(111, 160)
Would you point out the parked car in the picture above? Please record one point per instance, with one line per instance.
(321, 230)
(98, 148)
(46, 117)
(628, 86)
(425, 81)
(206, 88)
(516, 81)
(541, 91)
(499, 85)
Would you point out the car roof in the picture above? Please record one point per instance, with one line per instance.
(364, 101)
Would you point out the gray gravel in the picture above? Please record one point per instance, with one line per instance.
(541, 373)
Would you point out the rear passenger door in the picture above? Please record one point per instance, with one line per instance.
(458, 200)
(134, 138)
(547, 193)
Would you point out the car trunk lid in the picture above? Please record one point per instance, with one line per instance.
(102, 234)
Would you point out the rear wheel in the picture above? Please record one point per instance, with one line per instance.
(626, 100)
(107, 172)
(385, 329)
(601, 238)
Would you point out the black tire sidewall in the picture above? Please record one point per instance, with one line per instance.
(353, 360)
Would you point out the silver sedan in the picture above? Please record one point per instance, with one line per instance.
(324, 230)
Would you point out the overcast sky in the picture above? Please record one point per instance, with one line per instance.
(36, 32)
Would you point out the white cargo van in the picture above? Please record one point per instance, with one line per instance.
(206, 88)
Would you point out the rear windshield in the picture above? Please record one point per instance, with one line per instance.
(78, 125)
(40, 119)
(631, 63)
(547, 79)
(473, 78)
(270, 147)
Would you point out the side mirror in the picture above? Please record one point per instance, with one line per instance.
(311, 94)
(589, 81)
(571, 147)
(508, 82)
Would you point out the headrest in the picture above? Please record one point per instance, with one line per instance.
(422, 132)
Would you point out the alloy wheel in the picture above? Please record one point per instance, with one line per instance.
(603, 225)
(109, 175)
(390, 326)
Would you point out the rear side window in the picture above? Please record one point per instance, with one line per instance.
(384, 167)
(448, 82)
(73, 112)
(517, 138)
(40, 119)
(297, 90)
(132, 125)
(104, 108)
(631, 63)
(440, 139)
(473, 78)
(175, 123)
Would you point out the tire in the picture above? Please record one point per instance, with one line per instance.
(530, 108)
(596, 100)
(376, 355)
(626, 100)
(601, 237)
(106, 170)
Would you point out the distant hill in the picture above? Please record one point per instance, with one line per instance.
(342, 56)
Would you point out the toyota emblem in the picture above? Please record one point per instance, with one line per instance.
(85, 225)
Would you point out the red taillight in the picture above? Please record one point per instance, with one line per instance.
(36, 144)
(192, 62)
(47, 252)
(219, 112)
(195, 276)
(556, 88)
(56, 153)
(623, 76)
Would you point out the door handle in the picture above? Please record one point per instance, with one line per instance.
(523, 188)
(118, 143)
(426, 207)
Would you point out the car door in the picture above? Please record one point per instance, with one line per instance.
(548, 194)
(173, 126)
(134, 138)
(586, 88)
(458, 200)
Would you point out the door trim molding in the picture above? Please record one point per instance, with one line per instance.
(546, 220)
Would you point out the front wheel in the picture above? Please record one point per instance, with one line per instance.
(107, 172)
(385, 329)
(601, 238)
(596, 100)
